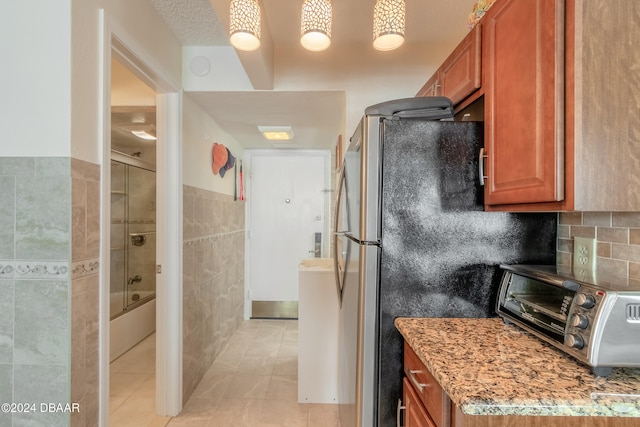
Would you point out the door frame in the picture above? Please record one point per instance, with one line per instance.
(328, 184)
(116, 42)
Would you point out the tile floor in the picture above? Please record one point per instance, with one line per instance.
(253, 382)
(133, 388)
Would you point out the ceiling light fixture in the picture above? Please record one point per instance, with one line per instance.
(315, 26)
(142, 134)
(244, 27)
(276, 133)
(388, 24)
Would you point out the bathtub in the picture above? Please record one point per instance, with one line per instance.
(133, 325)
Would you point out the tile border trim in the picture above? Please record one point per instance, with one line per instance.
(211, 238)
(19, 269)
(85, 268)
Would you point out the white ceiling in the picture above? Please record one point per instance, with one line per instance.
(315, 106)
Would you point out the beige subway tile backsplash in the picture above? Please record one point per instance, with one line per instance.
(617, 236)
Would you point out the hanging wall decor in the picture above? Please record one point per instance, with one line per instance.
(221, 159)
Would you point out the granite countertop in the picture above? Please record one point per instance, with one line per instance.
(490, 368)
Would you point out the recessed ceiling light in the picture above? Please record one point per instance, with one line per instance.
(276, 133)
(143, 135)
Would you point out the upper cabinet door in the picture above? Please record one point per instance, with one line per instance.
(460, 74)
(523, 61)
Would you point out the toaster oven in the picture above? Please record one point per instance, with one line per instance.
(595, 321)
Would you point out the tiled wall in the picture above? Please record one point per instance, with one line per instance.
(35, 246)
(85, 291)
(213, 279)
(617, 235)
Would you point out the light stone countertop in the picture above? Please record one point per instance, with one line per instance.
(489, 368)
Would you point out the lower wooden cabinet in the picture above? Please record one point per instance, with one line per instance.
(415, 415)
(425, 403)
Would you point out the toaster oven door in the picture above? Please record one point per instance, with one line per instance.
(541, 306)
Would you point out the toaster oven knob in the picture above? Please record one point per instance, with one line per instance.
(579, 321)
(575, 341)
(584, 300)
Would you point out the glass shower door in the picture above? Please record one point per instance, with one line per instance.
(141, 238)
(133, 236)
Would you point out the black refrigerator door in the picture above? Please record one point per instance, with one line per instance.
(440, 251)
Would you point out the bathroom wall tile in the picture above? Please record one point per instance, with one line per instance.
(93, 219)
(85, 170)
(78, 232)
(28, 387)
(43, 210)
(6, 322)
(6, 391)
(17, 166)
(42, 333)
(53, 166)
(7, 216)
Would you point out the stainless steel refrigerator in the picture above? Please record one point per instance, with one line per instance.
(412, 239)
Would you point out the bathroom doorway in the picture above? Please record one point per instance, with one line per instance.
(168, 222)
(132, 303)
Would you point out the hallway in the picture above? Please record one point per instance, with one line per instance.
(252, 383)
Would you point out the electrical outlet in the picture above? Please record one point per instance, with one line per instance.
(584, 254)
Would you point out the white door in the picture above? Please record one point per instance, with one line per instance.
(287, 209)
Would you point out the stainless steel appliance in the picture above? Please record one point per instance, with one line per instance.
(597, 321)
(412, 240)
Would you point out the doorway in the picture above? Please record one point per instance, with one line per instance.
(289, 195)
(168, 203)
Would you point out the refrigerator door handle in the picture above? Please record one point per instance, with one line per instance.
(337, 234)
(481, 175)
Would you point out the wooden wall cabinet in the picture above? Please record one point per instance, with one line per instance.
(461, 74)
(523, 64)
(561, 98)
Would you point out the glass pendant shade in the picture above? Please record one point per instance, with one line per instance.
(244, 27)
(315, 27)
(388, 24)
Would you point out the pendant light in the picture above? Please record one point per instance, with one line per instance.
(388, 24)
(244, 27)
(315, 27)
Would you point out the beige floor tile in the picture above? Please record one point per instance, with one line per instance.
(283, 413)
(125, 384)
(283, 387)
(213, 384)
(134, 412)
(247, 386)
(286, 366)
(139, 359)
(257, 365)
(323, 415)
(237, 413)
(159, 421)
(197, 413)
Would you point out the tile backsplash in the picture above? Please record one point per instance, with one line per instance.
(617, 237)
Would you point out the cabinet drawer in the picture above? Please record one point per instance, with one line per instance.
(415, 414)
(429, 391)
